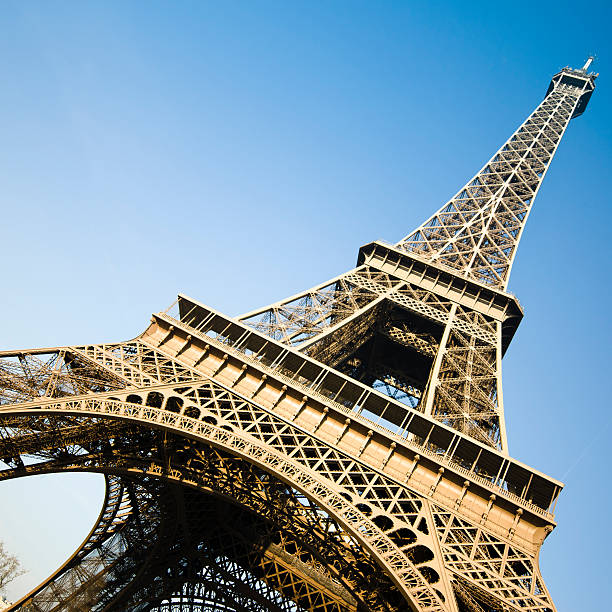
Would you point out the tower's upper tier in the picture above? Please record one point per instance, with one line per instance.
(476, 233)
(580, 79)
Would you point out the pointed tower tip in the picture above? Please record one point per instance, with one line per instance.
(588, 63)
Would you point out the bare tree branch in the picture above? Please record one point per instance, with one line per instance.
(10, 567)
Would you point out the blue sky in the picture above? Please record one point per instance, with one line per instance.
(240, 152)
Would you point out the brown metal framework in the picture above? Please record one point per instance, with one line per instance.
(341, 450)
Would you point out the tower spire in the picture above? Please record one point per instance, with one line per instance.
(478, 230)
(588, 63)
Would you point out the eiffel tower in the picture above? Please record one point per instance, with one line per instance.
(343, 449)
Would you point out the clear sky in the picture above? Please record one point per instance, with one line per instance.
(240, 152)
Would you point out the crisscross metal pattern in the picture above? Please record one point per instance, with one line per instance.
(478, 230)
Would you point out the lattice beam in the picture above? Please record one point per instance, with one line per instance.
(478, 230)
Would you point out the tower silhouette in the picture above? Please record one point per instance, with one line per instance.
(343, 449)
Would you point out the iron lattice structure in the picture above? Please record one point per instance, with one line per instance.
(341, 450)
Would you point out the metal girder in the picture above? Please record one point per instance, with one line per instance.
(292, 547)
(207, 401)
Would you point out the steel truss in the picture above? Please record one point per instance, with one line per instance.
(341, 450)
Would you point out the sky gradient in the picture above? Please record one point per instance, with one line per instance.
(241, 152)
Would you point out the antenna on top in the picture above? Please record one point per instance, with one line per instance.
(588, 63)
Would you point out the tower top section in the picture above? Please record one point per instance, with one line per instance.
(580, 80)
(477, 232)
